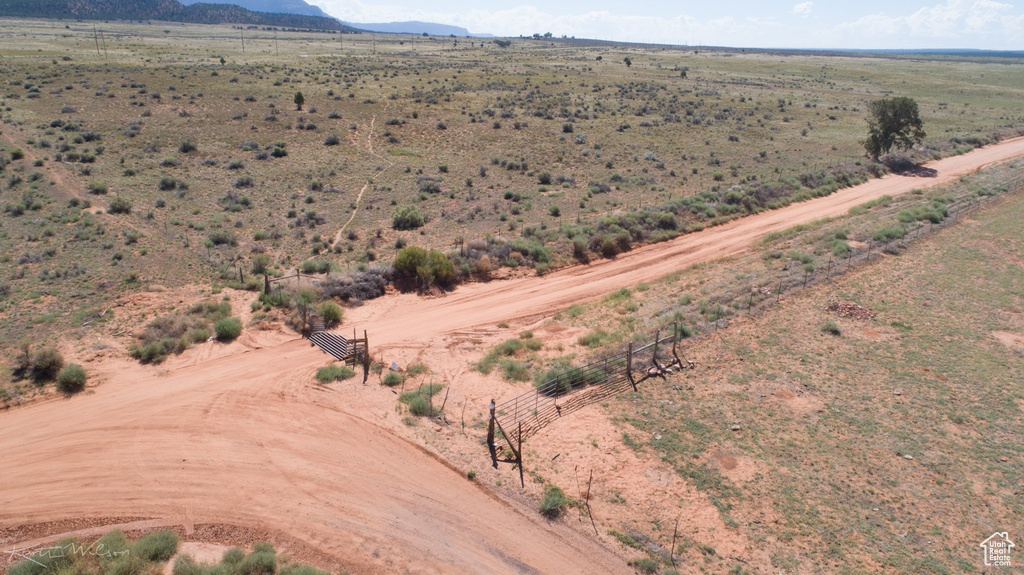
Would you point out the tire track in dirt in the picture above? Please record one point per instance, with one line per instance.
(240, 439)
(267, 456)
(408, 319)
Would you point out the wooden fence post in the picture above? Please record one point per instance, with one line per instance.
(490, 425)
(629, 366)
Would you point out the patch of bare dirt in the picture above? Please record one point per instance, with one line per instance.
(1012, 340)
(736, 466)
(238, 434)
(799, 404)
(874, 333)
(199, 551)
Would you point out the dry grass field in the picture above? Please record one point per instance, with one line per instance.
(214, 169)
(152, 173)
(807, 441)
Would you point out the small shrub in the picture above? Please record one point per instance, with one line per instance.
(46, 364)
(44, 562)
(419, 401)
(98, 188)
(187, 147)
(407, 218)
(331, 312)
(186, 565)
(233, 556)
(889, 233)
(158, 546)
(259, 562)
(222, 238)
(71, 379)
(644, 565)
(331, 140)
(333, 373)
(228, 329)
(840, 249)
(392, 379)
(120, 205)
(593, 339)
(554, 501)
(417, 369)
(167, 184)
(831, 327)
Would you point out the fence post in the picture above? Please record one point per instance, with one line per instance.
(519, 455)
(629, 365)
(490, 425)
(266, 283)
(675, 343)
(366, 358)
(654, 357)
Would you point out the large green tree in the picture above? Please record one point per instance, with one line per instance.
(893, 123)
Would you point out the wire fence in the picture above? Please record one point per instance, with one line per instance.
(573, 388)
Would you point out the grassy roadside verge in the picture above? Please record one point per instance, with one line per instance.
(887, 448)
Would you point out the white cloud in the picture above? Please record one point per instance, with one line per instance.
(950, 24)
(803, 9)
(966, 21)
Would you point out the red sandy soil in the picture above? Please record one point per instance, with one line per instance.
(239, 435)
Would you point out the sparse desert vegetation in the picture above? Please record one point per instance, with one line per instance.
(850, 391)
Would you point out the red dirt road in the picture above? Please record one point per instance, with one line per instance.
(246, 439)
(409, 317)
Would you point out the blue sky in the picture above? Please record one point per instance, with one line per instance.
(872, 24)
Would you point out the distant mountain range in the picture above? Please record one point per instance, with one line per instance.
(172, 11)
(272, 6)
(414, 27)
